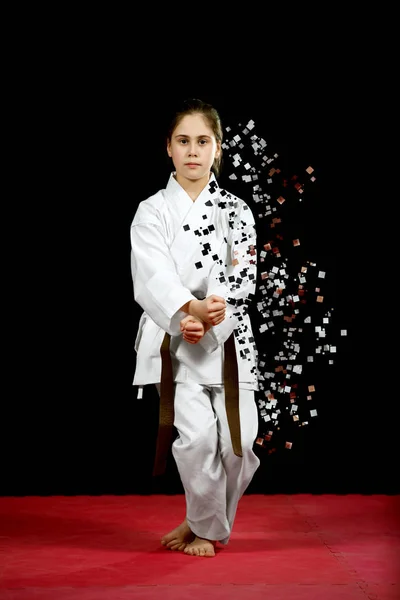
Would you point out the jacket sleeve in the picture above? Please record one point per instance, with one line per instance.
(156, 284)
(237, 282)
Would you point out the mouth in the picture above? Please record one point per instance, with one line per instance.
(192, 165)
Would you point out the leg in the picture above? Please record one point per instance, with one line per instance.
(198, 461)
(178, 538)
(239, 471)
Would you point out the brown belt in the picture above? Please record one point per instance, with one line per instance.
(166, 415)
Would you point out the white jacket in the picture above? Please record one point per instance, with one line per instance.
(184, 250)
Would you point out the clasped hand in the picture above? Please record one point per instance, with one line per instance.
(203, 315)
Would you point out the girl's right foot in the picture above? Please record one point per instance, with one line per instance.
(178, 538)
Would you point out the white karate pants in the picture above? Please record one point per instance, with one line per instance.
(214, 479)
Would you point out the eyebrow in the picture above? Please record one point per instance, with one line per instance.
(188, 136)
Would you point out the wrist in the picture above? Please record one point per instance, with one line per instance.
(193, 308)
(187, 307)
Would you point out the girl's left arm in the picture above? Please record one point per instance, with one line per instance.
(237, 283)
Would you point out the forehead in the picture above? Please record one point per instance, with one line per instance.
(193, 126)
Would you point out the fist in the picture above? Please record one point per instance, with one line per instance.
(192, 329)
(215, 309)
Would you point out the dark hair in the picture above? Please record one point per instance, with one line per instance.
(194, 105)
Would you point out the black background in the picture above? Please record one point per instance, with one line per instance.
(71, 422)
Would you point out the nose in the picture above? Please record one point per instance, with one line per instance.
(192, 149)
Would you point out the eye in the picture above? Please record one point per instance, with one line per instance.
(203, 142)
(183, 141)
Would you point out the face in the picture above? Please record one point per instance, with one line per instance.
(193, 148)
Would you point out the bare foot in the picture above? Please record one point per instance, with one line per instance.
(178, 538)
(200, 547)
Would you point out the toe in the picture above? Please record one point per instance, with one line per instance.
(176, 546)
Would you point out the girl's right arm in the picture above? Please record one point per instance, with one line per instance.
(211, 310)
(156, 284)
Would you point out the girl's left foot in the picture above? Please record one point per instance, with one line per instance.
(200, 547)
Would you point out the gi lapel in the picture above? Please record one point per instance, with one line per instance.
(195, 242)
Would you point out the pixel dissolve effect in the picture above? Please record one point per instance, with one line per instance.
(294, 325)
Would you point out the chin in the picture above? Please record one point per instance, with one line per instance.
(195, 175)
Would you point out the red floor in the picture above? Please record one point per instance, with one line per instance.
(283, 546)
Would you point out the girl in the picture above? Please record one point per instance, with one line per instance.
(194, 275)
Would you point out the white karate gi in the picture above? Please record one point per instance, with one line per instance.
(184, 250)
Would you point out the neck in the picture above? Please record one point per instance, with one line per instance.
(193, 187)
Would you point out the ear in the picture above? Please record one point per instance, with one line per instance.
(218, 150)
(169, 149)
